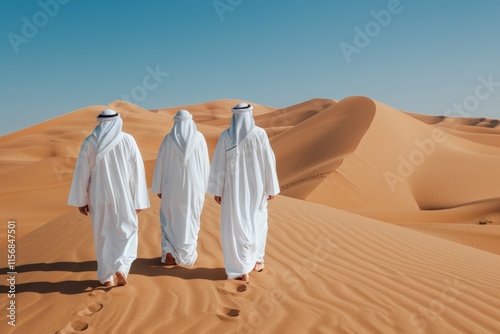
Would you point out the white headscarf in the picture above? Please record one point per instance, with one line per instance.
(241, 123)
(107, 133)
(184, 133)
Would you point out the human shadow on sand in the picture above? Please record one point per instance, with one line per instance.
(141, 266)
(153, 267)
(69, 287)
(76, 267)
(65, 287)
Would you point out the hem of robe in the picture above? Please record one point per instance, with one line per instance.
(246, 270)
(177, 258)
(109, 279)
(233, 276)
(124, 269)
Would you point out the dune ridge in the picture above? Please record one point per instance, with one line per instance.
(350, 250)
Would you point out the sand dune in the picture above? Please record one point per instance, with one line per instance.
(327, 271)
(350, 172)
(460, 224)
(402, 163)
(481, 130)
(316, 146)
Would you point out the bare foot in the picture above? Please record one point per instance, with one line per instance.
(169, 260)
(108, 284)
(259, 266)
(245, 278)
(121, 279)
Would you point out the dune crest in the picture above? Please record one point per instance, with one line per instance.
(360, 183)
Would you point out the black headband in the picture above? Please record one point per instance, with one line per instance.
(248, 106)
(107, 116)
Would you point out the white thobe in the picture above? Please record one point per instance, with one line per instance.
(113, 189)
(244, 176)
(181, 179)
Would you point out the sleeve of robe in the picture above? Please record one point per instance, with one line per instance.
(217, 170)
(79, 192)
(140, 189)
(156, 186)
(272, 186)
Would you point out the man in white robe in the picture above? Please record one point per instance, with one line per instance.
(109, 183)
(242, 179)
(180, 179)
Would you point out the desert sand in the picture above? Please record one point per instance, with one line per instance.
(376, 229)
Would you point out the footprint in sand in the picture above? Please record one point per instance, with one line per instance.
(80, 324)
(233, 313)
(228, 314)
(76, 326)
(228, 291)
(96, 292)
(241, 288)
(90, 309)
(102, 294)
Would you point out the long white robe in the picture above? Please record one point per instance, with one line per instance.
(244, 175)
(113, 189)
(182, 182)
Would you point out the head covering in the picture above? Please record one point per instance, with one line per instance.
(107, 114)
(241, 123)
(107, 133)
(184, 133)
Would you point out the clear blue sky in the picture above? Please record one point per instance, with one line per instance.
(62, 55)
